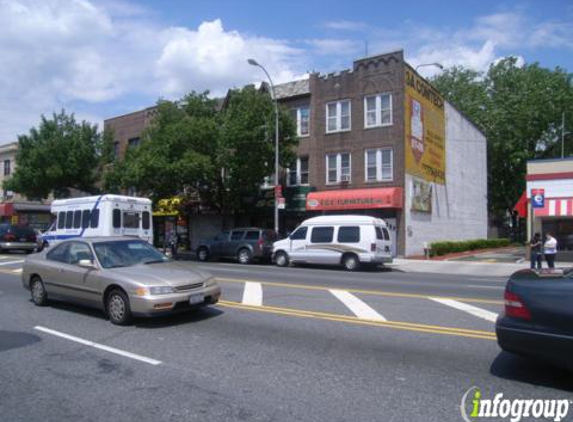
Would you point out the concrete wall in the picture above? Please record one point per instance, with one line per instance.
(459, 208)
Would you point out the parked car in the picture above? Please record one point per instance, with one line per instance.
(21, 238)
(347, 240)
(242, 244)
(122, 276)
(538, 318)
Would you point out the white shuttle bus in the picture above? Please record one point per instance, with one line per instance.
(103, 215)
(347, 240)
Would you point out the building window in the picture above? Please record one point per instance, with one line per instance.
(298, 175)
(302, 121)
(378, 110)
(116, 150)
(6, 167)
(133, 142)
(338, 116)
(338, 168)
(379, 165)
(131, 191)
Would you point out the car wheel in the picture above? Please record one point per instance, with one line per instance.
(244, 256)
(281, 259)
(202, 254)
(117, 307)
(38, 292)
(350, 262)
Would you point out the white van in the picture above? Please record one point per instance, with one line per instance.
(348, 240)
(103, 215)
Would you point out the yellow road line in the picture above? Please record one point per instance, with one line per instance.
(369, 292)
(433, 329)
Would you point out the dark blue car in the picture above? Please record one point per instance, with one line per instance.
(538, 319)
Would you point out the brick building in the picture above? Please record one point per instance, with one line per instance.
(377, 140)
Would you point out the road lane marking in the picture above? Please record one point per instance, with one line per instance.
(433, 329)
(358, 307)
(12, 262)
(99, 346)
(475, 311)
(368, 292)
(253, 294)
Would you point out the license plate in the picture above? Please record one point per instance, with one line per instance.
(23, 239)
(195, 299)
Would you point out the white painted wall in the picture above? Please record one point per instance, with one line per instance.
(459, 208)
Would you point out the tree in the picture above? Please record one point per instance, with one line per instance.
(519, 109)
(58, 156)
(220, 157)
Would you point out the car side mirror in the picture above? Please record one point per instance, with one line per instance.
(86, 263)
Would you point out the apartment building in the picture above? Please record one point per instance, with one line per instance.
(379, 140)
(15, 208)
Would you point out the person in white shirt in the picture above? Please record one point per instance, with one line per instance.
(550, 250)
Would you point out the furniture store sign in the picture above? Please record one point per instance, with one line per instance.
(424, 130)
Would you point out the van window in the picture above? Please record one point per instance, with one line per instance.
(299, 234)
(69, 219)
(131, 220)
(94, 218)
(61, 220)
(252, 235)
(379, 234)
(85, 219)
(321, 234)
(237, 235)
(146, 223)
(386, 233)
(116, 217)
(349, 234)
(77, 219)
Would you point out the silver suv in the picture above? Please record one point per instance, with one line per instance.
(242, 244)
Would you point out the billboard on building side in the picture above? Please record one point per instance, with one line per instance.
(425, 130)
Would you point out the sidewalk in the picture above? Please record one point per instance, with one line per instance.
(479, 269)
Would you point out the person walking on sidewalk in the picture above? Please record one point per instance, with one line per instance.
(535, 253)
(550, 250)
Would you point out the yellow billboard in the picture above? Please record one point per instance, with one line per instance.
(425, 130)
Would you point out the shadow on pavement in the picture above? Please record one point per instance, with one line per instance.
(515, 368)
(15, 339)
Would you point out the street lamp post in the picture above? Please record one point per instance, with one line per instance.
(438, 65)
(253, 62)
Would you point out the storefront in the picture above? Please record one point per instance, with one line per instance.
(169, 224)
(36, 216)
(548, 202)
(385, 203)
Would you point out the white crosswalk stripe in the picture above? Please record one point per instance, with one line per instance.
(470, 309)
(358, 307)
(253, 294)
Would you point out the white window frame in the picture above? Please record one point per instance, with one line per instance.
(299, 120)
(298, 168)
(338, 116)
(339, 167)
(379, 173)
(378, 110)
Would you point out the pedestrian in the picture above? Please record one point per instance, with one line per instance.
(550, 249)
(535, 255)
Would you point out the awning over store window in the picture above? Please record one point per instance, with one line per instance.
(521, 205)
(559, 207)
(354, 199)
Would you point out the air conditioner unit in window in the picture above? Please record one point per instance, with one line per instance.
(345, 178)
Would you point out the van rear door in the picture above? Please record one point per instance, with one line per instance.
(383, 241)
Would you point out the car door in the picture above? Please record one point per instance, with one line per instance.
(320, 249)
(297, 244)
(51, 269)
(81, 281)
(216, 246)
(235, 241)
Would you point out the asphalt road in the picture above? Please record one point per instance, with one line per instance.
(284, 344)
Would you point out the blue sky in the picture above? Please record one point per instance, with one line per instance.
(101, 58)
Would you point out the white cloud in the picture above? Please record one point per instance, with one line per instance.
(346, 25)
(336, 47)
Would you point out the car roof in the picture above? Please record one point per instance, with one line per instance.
(344, 219)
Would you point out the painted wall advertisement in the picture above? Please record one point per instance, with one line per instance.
(425, 130)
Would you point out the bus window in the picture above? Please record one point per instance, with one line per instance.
(61, 220)
(69, 219)
(146, 220)
(77, 219)
(116, 218)
(130, 220)
(85, 219)
(94, 218)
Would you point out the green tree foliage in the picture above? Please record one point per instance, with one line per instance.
(220, 157)
(59, 155)
(519, 109)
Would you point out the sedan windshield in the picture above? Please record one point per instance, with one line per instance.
(126, 253)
